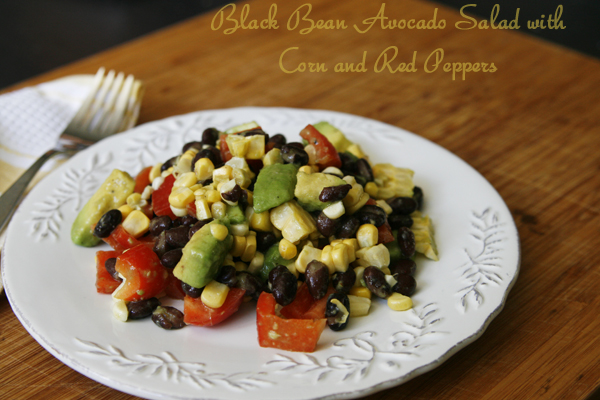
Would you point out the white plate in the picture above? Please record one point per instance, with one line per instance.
(50, 282)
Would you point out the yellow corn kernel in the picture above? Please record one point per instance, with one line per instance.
(287, 249)
(187, 179)
(222, 174)
(250, 249)
(371, 188)
(360, 291)
(136, 224)
(257, 262)
(204, 169)
(125, 211)
(214, 294)
(155, 171)
(241, 177)
(378, 256)
(359, 271)
(238, 145)
(213, 196)
(229, 260)
(335, 210)
(308, 254)
(240, 229)
(218, 209)
(386, 271)
(240, 266)
(261, 221)
(250, 198)
(120, 310)
(384, 206)
(353, 195)
(361, 202)
(359, 306)
(219, 231)
(307, 169)
(202, 209)
(134, 200)
(352, 247)
(273, 156)
(239, 245)
(399, 302)
(327, 259)
(312, 154)
(367, 235)
(180, 197)
(179, 212)
(339, 256)
(167, 172)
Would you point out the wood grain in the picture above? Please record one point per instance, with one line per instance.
(532, 129)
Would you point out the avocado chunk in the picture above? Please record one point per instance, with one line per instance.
(235, 214)
(272, 259)
(309, 188)
(334, 135)
(274, 186)
(202, 257)
(112, 194)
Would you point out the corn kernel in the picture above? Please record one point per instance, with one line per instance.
(250, 249)
(155, 171)
(339, 256)
(360, 291)
(250, 198)
(378, 256)
(359, 306)
(240, 266)
(219, 231)
(125, 211)
(134, 200)
(353, 195)
(239, 245)
(213, 196)
(257, 262)
(359, 271)
(147, 193)
(327, 259)
(335, 210)
(157, 182)
(120, 310)
(167, 172)
(214, 294)
(399, 302)
(180, 197)
(384, 206)
(333, 171)
(202, 209)
(287, 249)
(273, 156)
(261, 221)
(219, 210)
(238, 145)
(312, 154)
(204, 169)
(187, 179)
(361, 202)
(308, 254)
(136, 224)
(222, 174)
(367, 235)
(241, 177)
(307, 169)
(371, 188)
(179, 212)
(240, 229)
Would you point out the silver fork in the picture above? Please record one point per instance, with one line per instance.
(112, 106)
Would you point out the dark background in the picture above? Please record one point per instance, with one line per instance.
(39, 35)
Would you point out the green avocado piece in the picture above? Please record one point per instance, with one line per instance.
(235, 214)
(309, 188)
(202, 257)
(112, 194)
(274, 186)
(334, 135)
(394, 248)
(272, 259)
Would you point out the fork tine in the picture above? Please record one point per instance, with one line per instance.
(117, 113)
(77, 120)
(133, 106)
(98, 101)
(105, 111)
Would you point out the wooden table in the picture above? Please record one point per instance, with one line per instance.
(532, 128)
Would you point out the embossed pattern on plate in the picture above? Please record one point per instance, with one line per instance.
(457, 297)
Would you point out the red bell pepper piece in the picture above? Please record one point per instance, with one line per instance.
(142, 180)
(224, 149)
(120, 240)
(145, 276)
(305, 306)
(285, 334)
(105, 283)
(195, 312)
(327, 155)
(160, 198)
(173, 289)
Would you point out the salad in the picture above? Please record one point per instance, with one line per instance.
(312, 231)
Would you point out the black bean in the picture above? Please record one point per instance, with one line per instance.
(109, 265)
(264, 240)
(211, 153)
(178, 237)
(325, 225)
(197, 226)
(250, 283)
(168, 317)
(317, 279)
(284, 287)
(107, 223)
(348, 227)
(344, 281)
(142, 308)
(322, 242)
(337, 319)
(278, 140)
(168, 164)
(188, 220)
(159, 224)
(404, 266)
(226, 275)
(364, 169)
(278, 270)
(406, 241)
(233, 195)
(348, 163)
(191, 291)
(334, 193)
(210, 136)
(189, 145)
(397, 221)
(297, 145)
(405, 285)
(294, 155)
(370, 214)
(402, 205)
(375, 281)
(160, 245)
(418, 196)
(171, 258)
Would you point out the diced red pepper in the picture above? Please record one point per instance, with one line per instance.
(120, 240)
(195, 312)
(305, 306)
(191, 208)
(145, 276)
(160, 198)
(385, 233)
(173, 289)
(285, 334)
(105, 283)
(327, 155)
(142, 180)
(224, 149)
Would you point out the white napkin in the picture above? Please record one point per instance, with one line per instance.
(31, 120)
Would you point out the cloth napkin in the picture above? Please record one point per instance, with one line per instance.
(31, 121)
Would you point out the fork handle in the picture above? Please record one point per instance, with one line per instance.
(13, 195)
